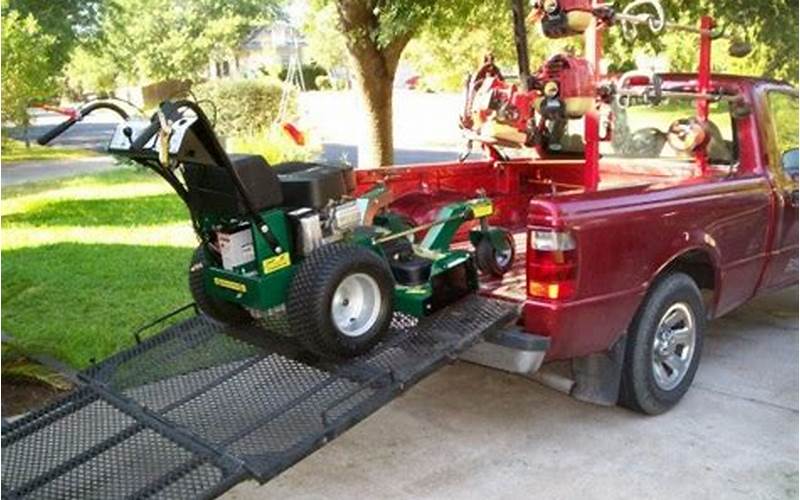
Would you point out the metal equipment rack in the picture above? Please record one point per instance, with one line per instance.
(199, 407)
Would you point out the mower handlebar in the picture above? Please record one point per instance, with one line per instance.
(57, 130)
(63, 126)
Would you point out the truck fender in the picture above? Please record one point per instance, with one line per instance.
(699, 252)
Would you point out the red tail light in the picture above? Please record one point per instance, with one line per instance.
(552, 264)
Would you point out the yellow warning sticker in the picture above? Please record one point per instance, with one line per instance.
(482, 209)
(231, 285)
(277, 263)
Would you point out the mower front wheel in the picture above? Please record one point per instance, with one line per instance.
(214, 308)
(340, 300)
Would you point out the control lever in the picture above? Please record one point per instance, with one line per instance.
(128, 133)
(167, 108)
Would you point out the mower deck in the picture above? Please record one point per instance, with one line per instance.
(197, 408)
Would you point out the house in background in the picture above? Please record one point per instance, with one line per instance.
(271, 46)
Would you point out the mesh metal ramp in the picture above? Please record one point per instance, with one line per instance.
(197, 408)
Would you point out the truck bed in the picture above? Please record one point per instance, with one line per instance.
(421, 190)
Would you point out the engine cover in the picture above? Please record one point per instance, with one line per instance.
(314, 185)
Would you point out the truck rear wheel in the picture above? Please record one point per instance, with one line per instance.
(663, 346)
(340, 300)
(216, 309)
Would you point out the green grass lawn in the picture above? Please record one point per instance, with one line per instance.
(13, 150)
(87, 260)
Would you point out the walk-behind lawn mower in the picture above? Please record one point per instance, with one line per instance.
(292, 249)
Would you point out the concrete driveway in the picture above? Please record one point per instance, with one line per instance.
(470, 432)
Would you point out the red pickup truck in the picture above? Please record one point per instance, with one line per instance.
(621, 279)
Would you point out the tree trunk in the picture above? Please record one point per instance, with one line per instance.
(376, 148)
(374, 65)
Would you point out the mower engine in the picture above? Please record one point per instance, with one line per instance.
(562, 18)
(499, 111)
(320, 209)
(567, 86)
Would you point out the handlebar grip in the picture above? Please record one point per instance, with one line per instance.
(146, 135)
(56, 131)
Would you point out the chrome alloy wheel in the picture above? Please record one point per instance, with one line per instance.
(356, 304)
(674, 346)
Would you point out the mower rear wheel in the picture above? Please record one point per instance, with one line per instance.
(340, 300)
(216, 309)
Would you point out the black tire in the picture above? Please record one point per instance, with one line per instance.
(639, 389)
(216, 309)
(311, 294)
(488, 260)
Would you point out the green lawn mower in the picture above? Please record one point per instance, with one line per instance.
(291, 248)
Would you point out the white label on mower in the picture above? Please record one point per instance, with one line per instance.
(236, 248)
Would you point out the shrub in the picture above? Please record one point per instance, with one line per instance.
(323, 82)
(243, 107)
(274, 144)
(310, 74)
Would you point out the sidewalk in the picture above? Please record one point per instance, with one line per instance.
(37, 170)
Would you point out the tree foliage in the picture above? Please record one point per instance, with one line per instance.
(91, 70)
(447, 48)
(69, 22)
(770, 26)
(152, 40)
(456, 41)
(325, 44)
(26, 67)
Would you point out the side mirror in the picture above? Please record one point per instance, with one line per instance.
(790, 162)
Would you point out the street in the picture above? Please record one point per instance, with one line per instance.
(96, 130)
(471, 432)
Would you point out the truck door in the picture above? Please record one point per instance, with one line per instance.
(781, 131)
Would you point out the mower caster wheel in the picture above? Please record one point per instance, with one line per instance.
(216, 309)
(493, 261)
(340, 300)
